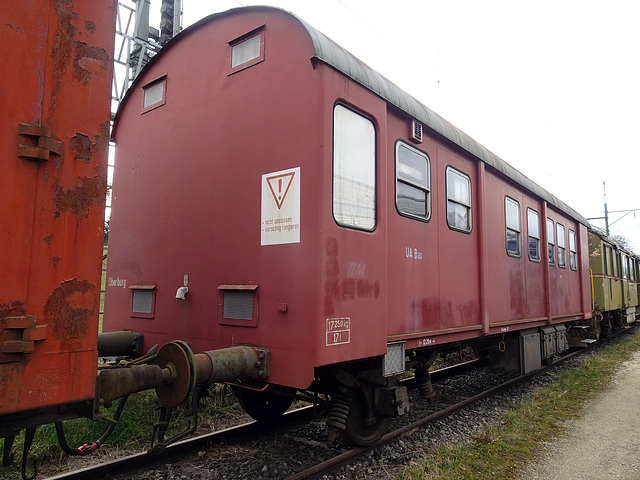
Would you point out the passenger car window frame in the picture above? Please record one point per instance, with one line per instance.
(538, 256)
(573, 251)
(512, 228)
(458, 202)
(561, 244)
(342, 217)
(551, 242)
(413, 184)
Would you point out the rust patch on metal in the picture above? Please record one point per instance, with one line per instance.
(88, 60)
(81, 146)
(12, 309)
(48, 238)
(102, 139)
(79, 199)
(55, 260)
(69, 309)
(90, 27)
(62, 45)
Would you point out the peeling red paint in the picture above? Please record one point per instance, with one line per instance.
(90, 27)
(101, 141)
(79, 199)
(62, 49)
(69, 309)
(15, 308)
(81, 146)
(88, 60)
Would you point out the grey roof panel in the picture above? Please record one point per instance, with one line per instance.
(337, 57)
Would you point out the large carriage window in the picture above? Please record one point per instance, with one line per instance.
(458, 200)
(533, 231)
(625, 267)
(413, 182)
(562, 255)
(354, 170)
(551, 245)
(573, 251)
(512, 220)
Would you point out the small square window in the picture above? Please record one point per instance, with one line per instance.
(247, 50)
(154, 95)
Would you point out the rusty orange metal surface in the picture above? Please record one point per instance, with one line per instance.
(55, 93)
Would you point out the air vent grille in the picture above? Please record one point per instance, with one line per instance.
(142, 301)
(416, 131)
(238, 305)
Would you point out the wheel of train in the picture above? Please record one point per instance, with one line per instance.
(263, 406)
(363, 427)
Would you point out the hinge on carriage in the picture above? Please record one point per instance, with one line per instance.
(20, 334)
(35, 142)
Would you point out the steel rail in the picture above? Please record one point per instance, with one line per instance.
(328, 466)
(178, 449)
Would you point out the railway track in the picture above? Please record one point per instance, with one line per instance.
(329, 460)
(324, 468)
(180, 449)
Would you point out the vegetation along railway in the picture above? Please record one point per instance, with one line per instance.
(404, 237)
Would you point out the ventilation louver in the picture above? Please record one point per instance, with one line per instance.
(416, 131)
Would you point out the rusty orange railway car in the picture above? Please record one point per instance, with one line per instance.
(55, 94)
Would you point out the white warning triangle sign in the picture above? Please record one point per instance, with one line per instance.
(279, 186)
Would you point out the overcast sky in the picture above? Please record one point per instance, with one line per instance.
(552, 87)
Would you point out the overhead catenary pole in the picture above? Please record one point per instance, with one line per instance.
(606, 213)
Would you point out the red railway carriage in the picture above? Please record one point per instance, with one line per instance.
(55, 94)
(277, 192)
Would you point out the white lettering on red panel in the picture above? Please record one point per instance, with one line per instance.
(280, 207)
(338, 331)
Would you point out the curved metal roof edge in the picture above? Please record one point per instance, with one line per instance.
(337, 57)
(329, 52)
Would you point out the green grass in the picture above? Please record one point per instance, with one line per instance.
(132, 434)
(499, 452)
(496, 452)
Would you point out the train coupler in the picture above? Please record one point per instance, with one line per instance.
(158, 441)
